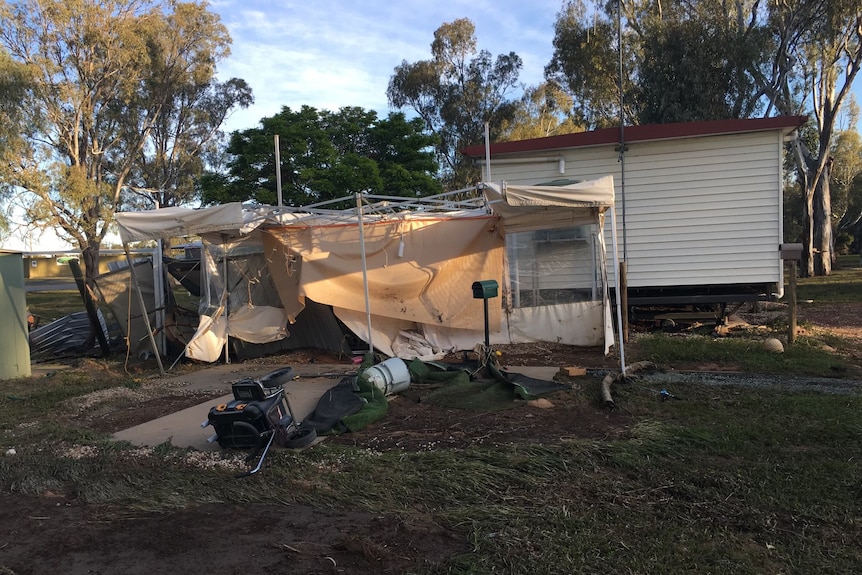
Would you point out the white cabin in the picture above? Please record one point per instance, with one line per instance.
(698, 205)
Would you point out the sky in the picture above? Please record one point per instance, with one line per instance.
(333, 53)
(328, 53)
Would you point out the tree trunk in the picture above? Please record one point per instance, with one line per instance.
(822, 220)
(90, 257)
(807, 267)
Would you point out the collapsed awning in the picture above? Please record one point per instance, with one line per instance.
(173, 222)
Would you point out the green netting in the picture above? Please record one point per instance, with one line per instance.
(376, 404)
(455, 388)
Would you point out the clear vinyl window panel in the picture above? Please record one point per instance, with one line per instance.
(236, 275)
(548, 267)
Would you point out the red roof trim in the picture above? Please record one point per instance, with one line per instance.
(640, 134)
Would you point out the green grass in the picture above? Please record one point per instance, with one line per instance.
(725, 480)
(806, 357)
(48, 306)
(843, 285)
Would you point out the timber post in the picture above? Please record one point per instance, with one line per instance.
(624, 301)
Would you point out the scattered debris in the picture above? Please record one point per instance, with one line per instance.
(574, 371)
(606, 389)
(67, 336)
(774, 345)
(632, 371)
(541, 403)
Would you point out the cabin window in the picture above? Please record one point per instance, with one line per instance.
(548, 267)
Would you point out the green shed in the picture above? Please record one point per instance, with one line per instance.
(15, 346)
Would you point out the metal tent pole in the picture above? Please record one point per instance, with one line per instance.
(224, 298)
(278, 171)
(159, 295)
(364, 270)
(617, 291)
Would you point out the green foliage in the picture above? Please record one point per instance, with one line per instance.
(90, 89)
(715, 60)
(456, 93)
(325, 155)
(694, 71)
(846, 189)
(586, 63)
(543, 111)
(793, 211)
(186, 138)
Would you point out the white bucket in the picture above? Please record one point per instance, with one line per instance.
(390, 376)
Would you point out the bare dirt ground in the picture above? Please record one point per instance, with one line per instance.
(56, 534)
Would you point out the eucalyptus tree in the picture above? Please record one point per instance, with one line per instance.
(184, 142)
(456, 92)
(13, 83)
(95, 80)
(544, 110)
(324, 155)
(673, 62)
(846, 183)
(586, 64)
(817, 58)
(711, 59)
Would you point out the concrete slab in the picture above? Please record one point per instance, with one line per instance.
(183, 428)
(537, 372)
(216, 377)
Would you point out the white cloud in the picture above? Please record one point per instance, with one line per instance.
(333, 53)
(329, 54)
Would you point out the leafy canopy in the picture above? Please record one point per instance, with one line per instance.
(86, 85)
(324, 156)
(456, 93)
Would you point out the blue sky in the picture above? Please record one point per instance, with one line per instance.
(330, 53)
(333, 53)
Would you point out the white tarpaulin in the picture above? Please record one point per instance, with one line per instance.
(584, 324)
(177, 222)
(261, 324)
(525, 208)
(590, 194)
(419, 268)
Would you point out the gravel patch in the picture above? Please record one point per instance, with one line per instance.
(814, 384)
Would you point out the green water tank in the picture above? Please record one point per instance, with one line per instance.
(14, 341)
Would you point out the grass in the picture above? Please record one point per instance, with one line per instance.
(728, 480)
(724, 480)
(48, 306)
(806, 357)
(809, 355)
(843, 285)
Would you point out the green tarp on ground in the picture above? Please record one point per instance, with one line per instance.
(460, 388)
(356, 403)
